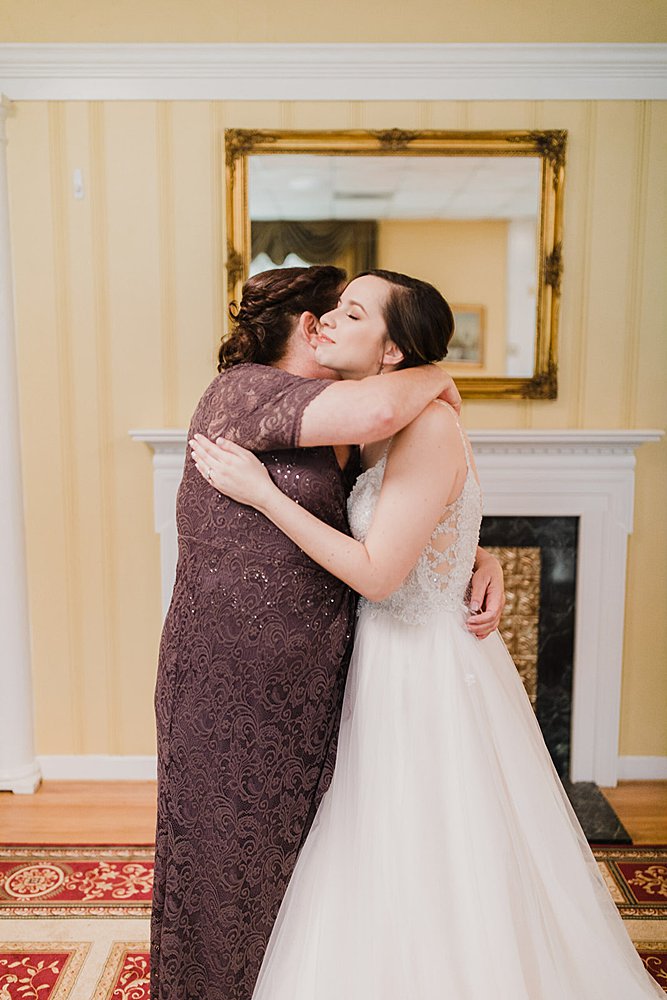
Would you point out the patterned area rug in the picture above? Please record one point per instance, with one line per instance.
(74, 920)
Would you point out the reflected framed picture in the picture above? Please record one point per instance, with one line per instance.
(467, 345)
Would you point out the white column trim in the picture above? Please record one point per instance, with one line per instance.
(337, 71)
(168, 447)
(19, 771)
(581, 473)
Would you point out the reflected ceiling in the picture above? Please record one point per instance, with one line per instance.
(301, 187)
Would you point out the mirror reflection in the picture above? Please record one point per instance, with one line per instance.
(468, 224)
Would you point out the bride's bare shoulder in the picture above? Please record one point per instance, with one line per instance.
(434, 431)
(437, 418)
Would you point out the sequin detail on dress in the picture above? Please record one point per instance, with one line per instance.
(440, 578)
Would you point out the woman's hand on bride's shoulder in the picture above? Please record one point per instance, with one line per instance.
(232, 470)
(450, 394)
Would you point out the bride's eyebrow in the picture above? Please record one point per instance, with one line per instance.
(352, 302)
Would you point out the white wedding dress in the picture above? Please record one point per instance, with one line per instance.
(445, 862)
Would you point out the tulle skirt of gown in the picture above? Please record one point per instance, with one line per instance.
(445, 860)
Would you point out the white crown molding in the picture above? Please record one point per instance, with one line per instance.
(321, 71)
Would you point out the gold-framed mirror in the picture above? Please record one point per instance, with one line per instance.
(478, 214)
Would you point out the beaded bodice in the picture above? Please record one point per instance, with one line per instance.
(440, 577)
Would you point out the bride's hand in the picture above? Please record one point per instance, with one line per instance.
(232, 470)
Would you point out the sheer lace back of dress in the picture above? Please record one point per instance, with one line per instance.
(439, 580)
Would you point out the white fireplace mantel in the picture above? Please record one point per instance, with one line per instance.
(584, 474)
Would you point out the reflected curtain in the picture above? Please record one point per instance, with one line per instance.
(351, 244)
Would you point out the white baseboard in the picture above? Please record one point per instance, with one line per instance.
(104, 767)
(97, 767)
(642, 768)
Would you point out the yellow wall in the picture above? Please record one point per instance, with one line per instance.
(346, 21)
(466, 260)
(119, 302)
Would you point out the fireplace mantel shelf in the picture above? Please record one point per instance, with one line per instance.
(561, 442)
(622, 442)
(588, 474)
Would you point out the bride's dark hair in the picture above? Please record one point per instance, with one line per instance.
(263, 322)
(419, 319)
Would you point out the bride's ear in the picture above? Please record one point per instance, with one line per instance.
(392, 356)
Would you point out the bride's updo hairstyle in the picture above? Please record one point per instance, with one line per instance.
(271, 300)
(418, 318)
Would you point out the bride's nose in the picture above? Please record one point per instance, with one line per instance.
(328, 319)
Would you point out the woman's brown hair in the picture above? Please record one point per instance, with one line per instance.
(262, 324)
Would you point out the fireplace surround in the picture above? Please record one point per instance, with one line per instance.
(588, 475)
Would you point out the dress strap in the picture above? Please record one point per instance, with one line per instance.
(466, 447)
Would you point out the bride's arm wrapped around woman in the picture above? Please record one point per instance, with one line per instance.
(425, 471)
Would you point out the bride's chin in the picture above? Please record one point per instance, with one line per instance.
(324, 357)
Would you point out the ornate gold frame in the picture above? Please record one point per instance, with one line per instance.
(550, 146)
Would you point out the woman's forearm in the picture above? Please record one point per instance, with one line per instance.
(406, 393)
(373, 408)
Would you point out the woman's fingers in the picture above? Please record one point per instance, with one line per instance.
(207, 446)
(214, 456)
(201, 468)
(232, 447)
(211, 467)
(483, 634)
(483, 618)
(220, 469)
(221, 446)
(205, 472)
(483, 624)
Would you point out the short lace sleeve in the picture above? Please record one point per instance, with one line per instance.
(260, 407)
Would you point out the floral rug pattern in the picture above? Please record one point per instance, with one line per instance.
(74, 921)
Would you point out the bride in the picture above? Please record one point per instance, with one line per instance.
(445, 860)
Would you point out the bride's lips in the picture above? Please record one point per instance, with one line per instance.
(322, 337)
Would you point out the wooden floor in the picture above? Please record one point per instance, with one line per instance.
(642, 808)
(78, 812)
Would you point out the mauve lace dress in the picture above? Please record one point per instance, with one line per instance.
(254, 652)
